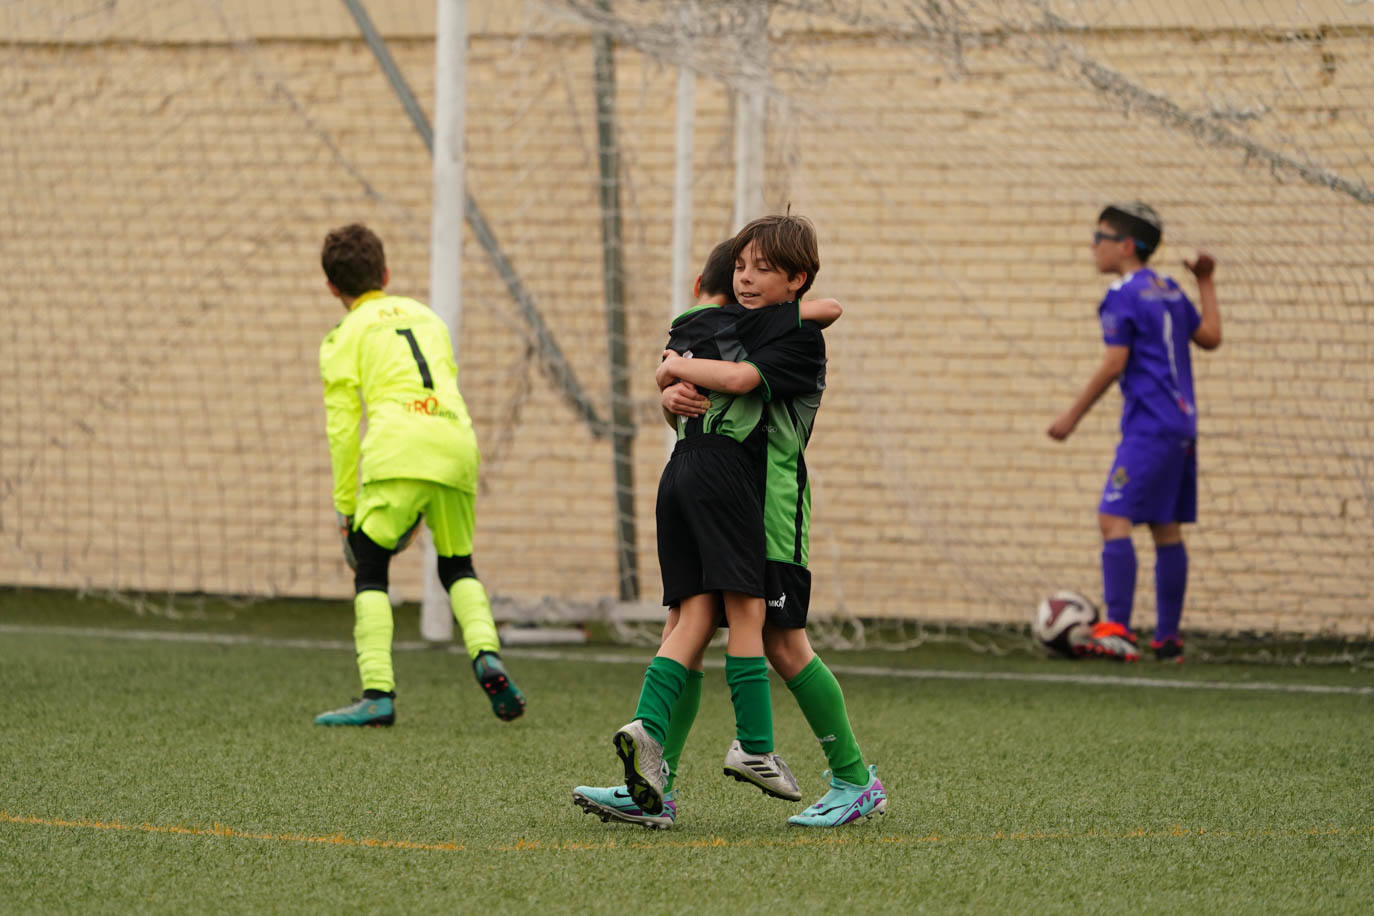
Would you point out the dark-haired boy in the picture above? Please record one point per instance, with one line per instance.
(418, 459)
(1147, 325)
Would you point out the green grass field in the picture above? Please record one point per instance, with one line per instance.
(153, 763)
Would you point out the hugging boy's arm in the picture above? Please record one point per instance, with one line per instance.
(714, 374)
(824, 312)
(793, 364)
(1112, 365)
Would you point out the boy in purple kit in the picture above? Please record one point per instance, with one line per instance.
(1147, 324)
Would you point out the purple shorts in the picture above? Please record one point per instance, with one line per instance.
(1152, 481)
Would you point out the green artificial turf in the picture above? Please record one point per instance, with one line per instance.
(176, 776)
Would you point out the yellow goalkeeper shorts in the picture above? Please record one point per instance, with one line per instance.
(390, 509)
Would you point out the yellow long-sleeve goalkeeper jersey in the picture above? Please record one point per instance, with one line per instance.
(395, 355)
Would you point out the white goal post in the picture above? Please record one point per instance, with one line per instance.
(446, 241)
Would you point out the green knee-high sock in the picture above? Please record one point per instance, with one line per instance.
(372, 628)
(822, 703)
(680, 723)
(472, 610)
(747, 676)
(664, 682)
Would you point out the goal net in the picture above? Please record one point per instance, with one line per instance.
(171, 166)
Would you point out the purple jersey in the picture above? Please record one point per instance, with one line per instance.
(1153, 317)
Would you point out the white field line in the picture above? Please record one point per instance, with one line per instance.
(609, 658)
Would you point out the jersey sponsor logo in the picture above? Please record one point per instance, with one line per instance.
(1108, 324)
(430, 407)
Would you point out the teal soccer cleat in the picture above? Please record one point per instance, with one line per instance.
(372, 712)
(506, 699)
(614, 803)
(844, 803)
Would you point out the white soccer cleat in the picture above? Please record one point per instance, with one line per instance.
(767, 771)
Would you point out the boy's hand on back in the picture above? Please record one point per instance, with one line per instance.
(1202, 266)
(664, 375)
(682, 399)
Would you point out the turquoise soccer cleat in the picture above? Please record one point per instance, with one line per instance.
(844, 803)
(614, 803)
(506, 699)
(372, 712)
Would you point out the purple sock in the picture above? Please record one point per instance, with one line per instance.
(1118, 579)
(1171, 581)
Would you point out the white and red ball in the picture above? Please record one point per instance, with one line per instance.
(1057, 617)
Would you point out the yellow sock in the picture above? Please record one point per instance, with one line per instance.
(372, 628)
(472, 610)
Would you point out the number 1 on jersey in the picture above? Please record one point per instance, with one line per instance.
(419, 357)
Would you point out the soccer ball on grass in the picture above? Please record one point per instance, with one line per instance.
(1062, 619)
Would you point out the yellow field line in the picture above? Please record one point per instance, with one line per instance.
(220, 830)
(796, 840)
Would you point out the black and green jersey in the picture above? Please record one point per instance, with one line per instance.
(774, 421)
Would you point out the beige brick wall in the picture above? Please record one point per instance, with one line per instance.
(165, 198)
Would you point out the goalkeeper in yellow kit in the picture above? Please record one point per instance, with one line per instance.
(419, 459)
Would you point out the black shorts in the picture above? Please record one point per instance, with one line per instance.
(788, 594)
(710, 520)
